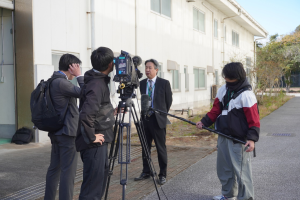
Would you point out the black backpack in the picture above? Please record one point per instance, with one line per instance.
(22, 136)
(43, 114)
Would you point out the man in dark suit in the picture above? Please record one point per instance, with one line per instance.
(159, 90)
(63, 161)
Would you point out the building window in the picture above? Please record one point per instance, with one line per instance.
(199, 75)
(199, 20)
(162, 7)
(235, 39)
(216, 28)
(225, 34)
(248, 69)
(175, 80)
(55, 62)
(186, 77)
(159, 73)
(217, 77)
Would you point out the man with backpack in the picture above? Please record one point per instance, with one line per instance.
(96, 122)
(63, 162)
(235, 113)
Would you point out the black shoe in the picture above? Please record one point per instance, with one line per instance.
(142, 176)
(162, 180)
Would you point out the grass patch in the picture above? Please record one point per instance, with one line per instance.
(268, 104)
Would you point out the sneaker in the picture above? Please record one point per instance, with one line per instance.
(221, 197)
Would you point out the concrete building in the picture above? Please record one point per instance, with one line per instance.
(191, 39)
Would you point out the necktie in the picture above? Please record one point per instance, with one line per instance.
(150, 89)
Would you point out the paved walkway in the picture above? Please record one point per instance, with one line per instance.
(191, 171)
(276, 169)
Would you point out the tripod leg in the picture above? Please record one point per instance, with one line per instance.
(142, 137)
(114, 148)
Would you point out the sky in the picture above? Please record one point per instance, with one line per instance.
(275, 16)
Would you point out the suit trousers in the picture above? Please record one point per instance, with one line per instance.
(95, 172)
(154, 132)
(62, 167)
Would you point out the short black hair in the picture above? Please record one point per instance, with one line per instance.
(101, 58)
(153, 61)
(66, 60)
(234, 70)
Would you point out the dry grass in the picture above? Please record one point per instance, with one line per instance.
(271, 103)
(181, 133)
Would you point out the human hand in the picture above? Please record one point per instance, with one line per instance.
(250, 144)
(75, 69)
(199, 125)
(116, 111)
(99, 138)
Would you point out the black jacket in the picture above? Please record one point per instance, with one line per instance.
(240, 119)
(162, 99)
(63, 92)
(95, 94)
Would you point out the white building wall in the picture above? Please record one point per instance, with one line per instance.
(64, 26)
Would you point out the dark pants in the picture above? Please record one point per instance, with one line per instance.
(95, 171)
(154, 132)
(62, 167)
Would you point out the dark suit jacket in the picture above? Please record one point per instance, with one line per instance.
(162, 99)
(62, 91)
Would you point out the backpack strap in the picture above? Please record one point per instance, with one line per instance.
(48, 93)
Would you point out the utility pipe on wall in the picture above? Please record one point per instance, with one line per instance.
(223, 21)
(92, 5)
(212, 34)
(2, 46)
(255, 49)
(135, 24)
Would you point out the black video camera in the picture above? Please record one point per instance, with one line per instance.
(127, 73)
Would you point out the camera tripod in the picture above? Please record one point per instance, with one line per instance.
(123, 147)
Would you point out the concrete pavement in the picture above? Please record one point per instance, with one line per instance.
(276, 169)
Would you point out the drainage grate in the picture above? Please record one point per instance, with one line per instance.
(281, 134)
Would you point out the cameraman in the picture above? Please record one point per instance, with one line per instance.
(95, 124)
(63, 161)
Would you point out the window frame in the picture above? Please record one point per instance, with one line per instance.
(186, 78)
(175, 89)
(198, 10)
(160, 70)
(234, 43)
(217, 77)
(160, 8)
(216, 22)
(205, 78)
